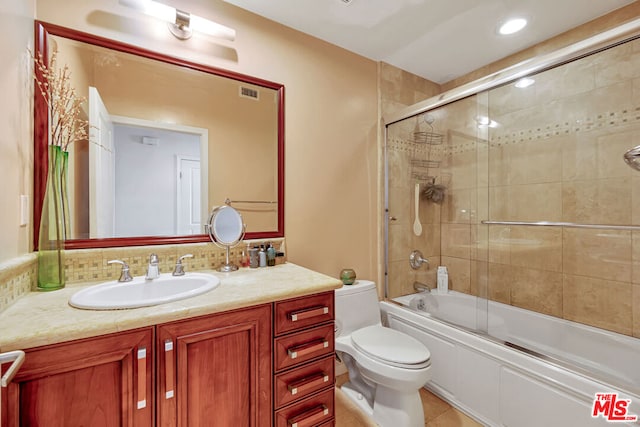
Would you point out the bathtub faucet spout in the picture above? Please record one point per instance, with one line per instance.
(421, 287)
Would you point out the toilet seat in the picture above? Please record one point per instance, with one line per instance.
(391, 347)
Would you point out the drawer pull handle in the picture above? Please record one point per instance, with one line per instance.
(308, 313)
(16, 358)
(307, 348)
(168, 369)
(310, 417)
(307, 383)
(142, 378)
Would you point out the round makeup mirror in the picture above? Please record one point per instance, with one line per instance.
(226, 230)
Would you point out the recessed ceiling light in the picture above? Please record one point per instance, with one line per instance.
(512, 26)
(524, 82)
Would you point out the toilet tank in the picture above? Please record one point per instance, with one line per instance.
(356, 306)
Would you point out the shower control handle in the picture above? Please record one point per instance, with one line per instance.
(416, 260)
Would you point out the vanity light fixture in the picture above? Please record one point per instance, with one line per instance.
(181, 24)
(511, 26)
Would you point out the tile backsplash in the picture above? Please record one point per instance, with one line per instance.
(18, 276)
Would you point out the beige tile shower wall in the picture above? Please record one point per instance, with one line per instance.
(402, 239)
(556, 156)
(399, 89)
(465, 177)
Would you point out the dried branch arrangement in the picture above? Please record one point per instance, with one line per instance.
(65, 122)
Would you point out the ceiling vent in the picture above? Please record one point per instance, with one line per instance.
(149, 140)
(247, 92)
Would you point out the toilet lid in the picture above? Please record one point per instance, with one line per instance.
(392, 347)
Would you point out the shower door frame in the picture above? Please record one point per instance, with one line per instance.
(607, 39)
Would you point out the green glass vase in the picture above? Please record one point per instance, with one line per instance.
(53, 223)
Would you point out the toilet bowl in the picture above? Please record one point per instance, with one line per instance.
(386, 367)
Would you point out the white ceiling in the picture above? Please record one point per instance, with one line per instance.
(436, 39)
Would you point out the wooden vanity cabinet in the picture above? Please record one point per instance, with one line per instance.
(304, 352)
(104, 381)
(271, 364)
(216, 370)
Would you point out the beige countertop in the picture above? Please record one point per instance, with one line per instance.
(41, 318)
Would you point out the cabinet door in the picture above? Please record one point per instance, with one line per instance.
(104, 381)
(216, 370)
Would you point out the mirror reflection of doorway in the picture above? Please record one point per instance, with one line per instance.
(147, 175)
(147, 183)
(188, 196)
(102, 165)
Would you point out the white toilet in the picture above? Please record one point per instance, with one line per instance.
(386, 367)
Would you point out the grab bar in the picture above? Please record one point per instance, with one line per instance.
(565, 224)
(17, 358)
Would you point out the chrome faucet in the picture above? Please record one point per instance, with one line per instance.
(153, 271)
(125, 276)
(179, 270)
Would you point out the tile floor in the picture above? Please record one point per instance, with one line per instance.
(437, 412)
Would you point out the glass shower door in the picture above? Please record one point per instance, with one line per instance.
(437, 177)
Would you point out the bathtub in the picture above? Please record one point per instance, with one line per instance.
(528, 370)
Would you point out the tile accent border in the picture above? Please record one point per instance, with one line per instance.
(17, 278)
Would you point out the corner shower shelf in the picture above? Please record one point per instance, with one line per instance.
(425, 164)
(423, 177)
(430, 138)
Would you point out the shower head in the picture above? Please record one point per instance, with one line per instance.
(632, 158)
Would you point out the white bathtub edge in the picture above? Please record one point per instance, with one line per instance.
(521, 365)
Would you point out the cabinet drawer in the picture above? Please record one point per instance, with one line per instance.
(300, 347)
(299, 313)
(312, 411)
(303, 381)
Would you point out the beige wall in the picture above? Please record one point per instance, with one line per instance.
(16, 158)
(331, 128)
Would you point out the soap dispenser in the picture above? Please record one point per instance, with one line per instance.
(262, 256)
(271, 255)
(442, 280)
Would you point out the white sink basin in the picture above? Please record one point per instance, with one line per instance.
(141, 293)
